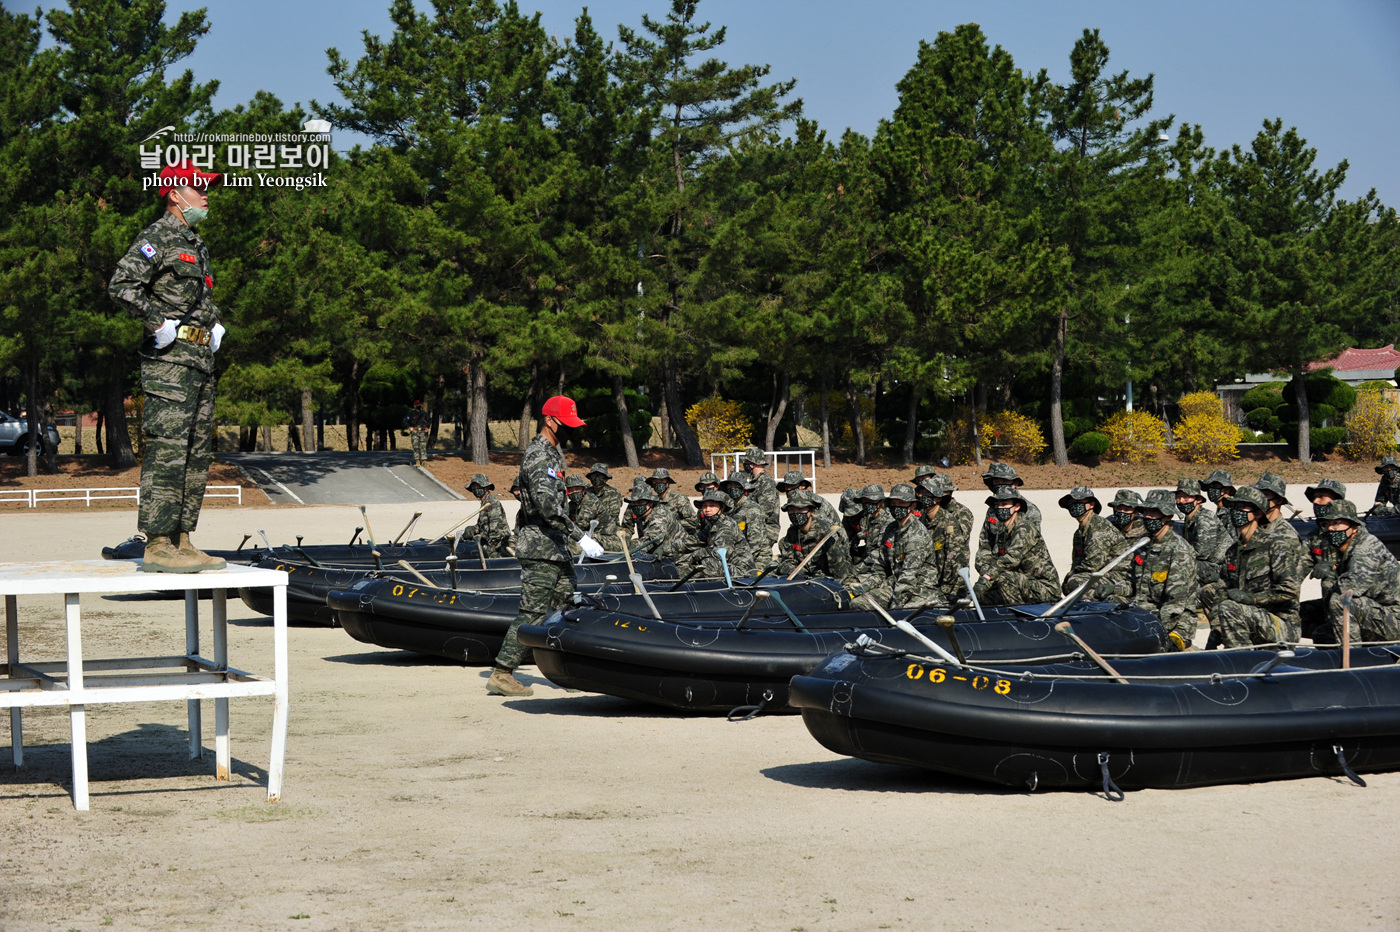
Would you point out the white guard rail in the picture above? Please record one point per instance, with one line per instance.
(779, 462)
(33, 498)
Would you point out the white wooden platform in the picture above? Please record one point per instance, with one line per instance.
(78, 683)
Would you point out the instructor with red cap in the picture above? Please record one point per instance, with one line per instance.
(542, 538)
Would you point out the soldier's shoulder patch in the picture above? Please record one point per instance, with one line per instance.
(148, 250)
(552, 473)
(186, 257)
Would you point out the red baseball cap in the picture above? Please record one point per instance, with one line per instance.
(563, 407)
(185, 175)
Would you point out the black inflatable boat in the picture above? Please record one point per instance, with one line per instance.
(1181, 720)
(353, 554)
(717, 665)
(469, 626)
(1385, 527)
(308, 586)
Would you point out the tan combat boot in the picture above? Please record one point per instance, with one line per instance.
(504, 683)
(201, 559)
(162, 556)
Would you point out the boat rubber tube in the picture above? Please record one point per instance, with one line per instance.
(1210, 720)
(715, 666)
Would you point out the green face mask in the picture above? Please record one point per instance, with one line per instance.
(192, 215)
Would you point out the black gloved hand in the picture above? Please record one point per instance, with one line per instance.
(1325, 572)
(1208, 572)
(1240, 596)
(1215, 641)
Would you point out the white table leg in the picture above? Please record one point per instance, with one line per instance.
(279, 673)
(12, 657)
(221, 746)
(192, 649)
(77, 711)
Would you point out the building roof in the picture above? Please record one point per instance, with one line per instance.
(1386, 359)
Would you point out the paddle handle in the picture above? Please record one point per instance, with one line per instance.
(807, 559)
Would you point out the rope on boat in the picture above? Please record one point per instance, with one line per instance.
(1111, 791)
(743, 713)
(1346, 768)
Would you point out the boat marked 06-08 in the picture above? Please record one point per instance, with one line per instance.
(619, 623)
(938, 675)
(437, 595)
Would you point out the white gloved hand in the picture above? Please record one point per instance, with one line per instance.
(216, 337)
(590, 547)
(166, 334)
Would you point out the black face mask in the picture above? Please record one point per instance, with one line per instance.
(1121, 519)
(575, 497)
(927, 503)
(1153, 525)
(800, 518)
(1188, 509)
(1336, 538)
(562, 435)
(734, 492)
(1239, 517)
(476, 491)
(639, 511)
(1324, 511)
(870, 507)
(598, 482)
(1215, 495)
(1077, 509)
(707, 521)
(1003, 514)
(659, 488)
(899, 512)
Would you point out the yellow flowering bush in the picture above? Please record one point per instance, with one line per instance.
(1371, 424)
(1200, 403)
(719, 425)
(1206, 438)
(1134, 436)
(1004, 435)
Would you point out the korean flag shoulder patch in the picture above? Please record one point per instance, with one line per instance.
(148, 250)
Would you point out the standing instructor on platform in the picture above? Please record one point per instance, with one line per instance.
(165, 281)
(542, 538)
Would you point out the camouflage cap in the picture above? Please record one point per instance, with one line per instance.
(1080, 493)
(575, 481)
(715, 495)
(1221, 478)
(1188, 486)
(641, 492)
(515, 484)
(849, 507)
(1249, 495)
(601, 468)
(739, 478)
(753, 455)
(800, 498)
(937, 485)
(1160, 500)
(1332, 486)
(921, 472)
(1126, 498)
(660, 473)
(1001, 472)
(1344, 511)
(706, 478)
(480, 480)
(874, 492)
(1387, 461)
(901, 492)
(1273, 483)
(792, 480)
(1006, 494)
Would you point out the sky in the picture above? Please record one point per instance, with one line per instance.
(1332, 69)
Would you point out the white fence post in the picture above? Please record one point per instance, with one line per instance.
(33, 498)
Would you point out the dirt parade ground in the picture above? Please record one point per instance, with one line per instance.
(413, 800)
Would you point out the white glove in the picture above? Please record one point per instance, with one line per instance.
(166, 334)
(216, 337)
(590, 547)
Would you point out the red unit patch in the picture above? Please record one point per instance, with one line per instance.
(186, 257)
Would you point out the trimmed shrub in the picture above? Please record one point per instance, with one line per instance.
(1134, 435)
(1327, 438)
(1263, 419)
(1318, 414)
(1374, 385)
(1269, 395)
(1206, 438)
(1200, 403)
(1074, 426)
(1328, 390)
(719, 425)
(1090, 443)
(1371, 425)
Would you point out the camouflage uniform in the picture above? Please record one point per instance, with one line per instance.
(1370, 571)
(826, 515)
(1322, 553)
(1000, 474)
(1388, 489)
(1217, 486)
(1017, 560)
(659, 533)
(541, 544)
(584, 509)
(950, 541)
(1162, 577)
(901, 570)
(610, 507)
(834, 559)
(166, 275)
(715, 533)
(851, 515)
(748, 516)
(1096, 543)
(416, 422)
(491, 531)
(1206, 534)
(764, 492)
(1256, 599)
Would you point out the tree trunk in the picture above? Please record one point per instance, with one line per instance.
(320, 430)
(1300, 394)
(1057, 376)
(481, 454)
(527, 408)
(689, 445)
(352, 410)
(629, 443)
(35, 416)
(294, 437)
(118, 438)
(976, 434)
(664, 416)
(911, 427)
(267, 439)
(857, 423)
(777, 407)
(97, 435)
(77, 434)
(826, 427)
(308, 423)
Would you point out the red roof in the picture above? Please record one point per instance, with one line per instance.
(1353, 360)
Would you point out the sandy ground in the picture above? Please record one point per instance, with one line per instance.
(415, 801)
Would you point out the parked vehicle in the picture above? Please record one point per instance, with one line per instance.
(14, 436)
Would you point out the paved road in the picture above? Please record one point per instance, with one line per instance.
(377, 478)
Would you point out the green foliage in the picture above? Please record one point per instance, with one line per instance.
(1269, 395)
(595, 405)
(1263, 419)
(1327, 438)
(1091, 444)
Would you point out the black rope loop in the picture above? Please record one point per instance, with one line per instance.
(743, 713)
(1346, 768)
(1111, 791)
